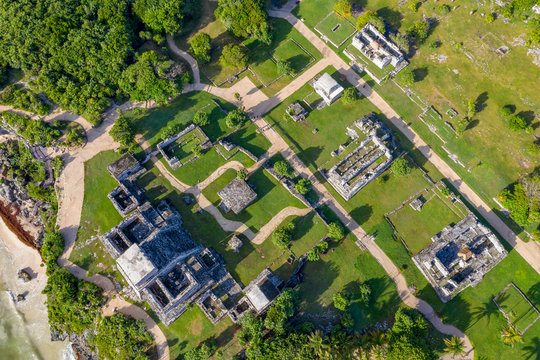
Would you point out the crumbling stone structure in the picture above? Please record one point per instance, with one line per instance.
(327, 88)
(296, 111)
(236, 196)
(459, 256)
(165, 147)
(373, 155)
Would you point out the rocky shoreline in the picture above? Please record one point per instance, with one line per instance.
(78, 344)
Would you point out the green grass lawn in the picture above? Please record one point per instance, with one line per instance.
(516, 307)
(336, 28)
(98, 215)
(272, 197)
(292, 52)
(193, 328)
(417, 227)
(308, 231)
(196, 171)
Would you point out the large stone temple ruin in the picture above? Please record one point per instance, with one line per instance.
(369, 153)
(459, 256)
(164, 265)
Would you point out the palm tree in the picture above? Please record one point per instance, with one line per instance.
(511, 335)
(454, 346)
(378, 352)
(316, 341)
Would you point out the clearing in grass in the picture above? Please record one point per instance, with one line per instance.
(335, 28)
(516, 308)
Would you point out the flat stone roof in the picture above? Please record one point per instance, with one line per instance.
(237, 195)
(135, 264)
(121, 165)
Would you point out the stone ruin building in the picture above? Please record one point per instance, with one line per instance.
(379, 50)
(296, 111)
(459, 256)
(160, 260)
(375, 152)
(166, 146)
(236, 196)
(263, 290)
(327, 88)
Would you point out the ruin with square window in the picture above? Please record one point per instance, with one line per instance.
(368, 153)
(459, 256)
(163, 264)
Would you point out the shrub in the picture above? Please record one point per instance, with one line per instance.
(536, 235)
(419, 31)
(406, 76)
(350, 95)
(52, 249)
(200, 118)
(200, 47)
(364, 293)
(234, 56)
(446, 191)
(370, 17)
(443, 9)
(471, 108)
(323, 246)
(236, 118)
(461, 126)
(335, 231)
(506, 111)
(401, 41)
(303, 186)
(413, 5)
(122, 131)
(341, 301)
(282, 236)
(313, 254)
(282, 168)
(517, 123)
(343, 7)
(490, 18)
(517, 202)
(533, 148)
(57, 164)
(242, 174)
(24, 99)
(346, 320)
(284, 67)
(401, 167)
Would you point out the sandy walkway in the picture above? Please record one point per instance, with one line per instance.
(270, 226)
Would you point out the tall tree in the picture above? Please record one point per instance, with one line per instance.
(511, 335)
(454, 346)
(246, 19)
(162, 16)
(200, 47)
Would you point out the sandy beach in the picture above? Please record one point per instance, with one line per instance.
(24, 330)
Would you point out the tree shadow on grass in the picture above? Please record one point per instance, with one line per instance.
(318, 277)
(420, 73)
(532, 350)
(486, 310)
(481, 101)
(533, 294)
(391, 17)
(244, 139)
(362, 214)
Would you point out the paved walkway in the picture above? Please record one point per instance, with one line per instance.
(184, 55)
(270, 226)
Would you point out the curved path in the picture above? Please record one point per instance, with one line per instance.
(184, 55)
(270, 226)
(71, 197)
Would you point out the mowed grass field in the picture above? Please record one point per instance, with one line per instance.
(336, 28)
(272, 197)
(446, 77)
(517, 308)
(98, 216)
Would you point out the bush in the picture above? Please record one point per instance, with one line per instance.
(406, 76)
(350, 95)
(335, 231)
(401, 167)
(234, 56)
(282, 236)
(536, 235)
(281, 310)
(471, 108)
(200, 118)
(370, 17)
(200, 47)
(419, 31)
(303, 186)
(401, 41)
(282, 168)
(343, 7)
(413, 5)
(364, 293)
(443, 9)
(323, 246)
(313, 254)
(57, 164)
(37, 132)
(284, 67)
(24, 99)
(506, 111)
(341, 301)
(517, 202)
(52, 249)
(461, 126)
(517, 123)
(533, 148)
(242, 174)
(346, 320)
(446, 191)
(122, 131)
(490, 18)
(236, 118)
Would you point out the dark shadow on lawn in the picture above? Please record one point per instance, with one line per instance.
(362, 214)
(318, 276)
(420, 73)
(302, 225)
(243, 139)
(481, 101)
(532, 351)
(390, 16)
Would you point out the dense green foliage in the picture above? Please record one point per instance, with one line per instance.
(523, 200)
(281, 310)
(78, 49)
(370, 17)
(401, 167)
(200, 47)
(4, 76)
(282, 168)
(350, 95)
(406, 76)
(303, 186)
(162, 16)
(52, 248)
(517, 123)
(409, 337)
(314, 254)
(336, 231)
(146, 79)
(343, 7)
(236, 118)
(419, 31)
(24, 99)
(73, 304)
(282, 236)
(284, 67)
(121, 337)
(200, 118)
(37, 132)
(122, 131)
(246, 19)
(341, 301)
(234, 56)
(22, 164)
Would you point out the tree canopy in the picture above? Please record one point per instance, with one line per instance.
(401, 167)
(234, 56)
(282, 236)
(200, 47)
(122, 131)
(246, 19)
(165, 16)
(236, 118)
(283, 168)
